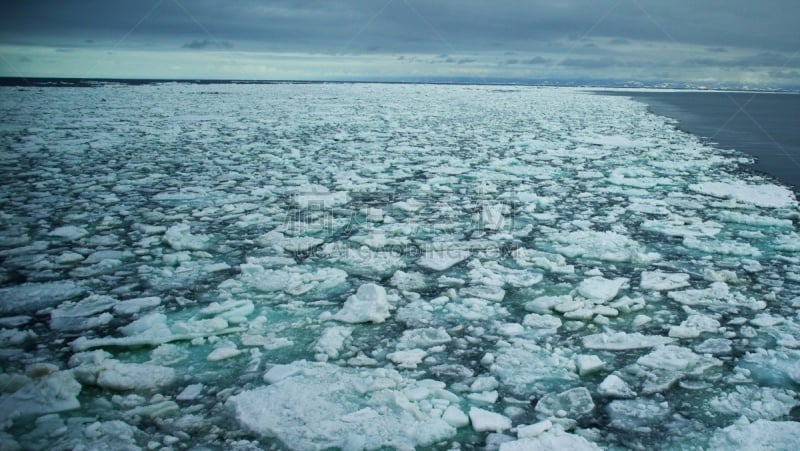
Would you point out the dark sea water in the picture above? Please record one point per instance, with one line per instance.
(764, 125)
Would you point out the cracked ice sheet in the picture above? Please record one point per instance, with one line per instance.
(216, 245)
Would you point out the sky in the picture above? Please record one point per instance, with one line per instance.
(742, 43)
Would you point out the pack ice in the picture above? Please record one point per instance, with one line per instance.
(357, 266)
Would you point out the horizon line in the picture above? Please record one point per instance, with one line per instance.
(6, 80)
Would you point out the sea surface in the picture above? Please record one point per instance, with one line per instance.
(763, 125)
(374, 266)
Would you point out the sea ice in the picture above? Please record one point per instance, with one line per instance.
(614, 387)
(494, 274)
(223, 351)
(588, 364)
(678, 359)
(80, 315)
(297, 281)
(55, 392)
(609, 246)
(369, 304)
(289, 244)
(661, 281)
(484, 420)
(545, 304)
(718, 291)
(98, 368)
(779, 366)
(620, 341)
(491, 216)
(136, 305)
(408, 358)
(442, 259)
(526, 263)
(180, 238)
(526, 365)
(455, 417)
(545, 260)
(574, 404)
(755, 403)
(758, 435)
(693, 326)
(638, 415)
(69, 233)
(30, 297)
(190, 392)
(331, 342)
(600, 289)
(533, 430)
(153, 330)
(554, 439)
(319, 198)
(348, 408)
(538, 321)
(770, 196)
(363, 261)
(408, 280)
(423, 338)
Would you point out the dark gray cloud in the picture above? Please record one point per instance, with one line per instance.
(460, 60)
(785, 74)
(536, 60)
(764, 59)
(587, 34)
(406, 25)
(203, 44)
(590, 63)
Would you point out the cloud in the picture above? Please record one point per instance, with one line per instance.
(599, 37)
(452, 60)
(537, 60)
(785, 74)
(589, 63)
(205, 44)
(764, 59)
(410, 25)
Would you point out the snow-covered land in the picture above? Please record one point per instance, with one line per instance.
(386, 266)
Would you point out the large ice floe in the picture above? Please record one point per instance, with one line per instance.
(356, 266)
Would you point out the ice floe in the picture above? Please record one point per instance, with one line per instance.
(609, 246)
(661, 281)
(760, 435)
(54, 392)
(349, 409)
(621, 341)
(368, 304)
(484, 420)
(552, 440)
(770, 196)
(31, 297)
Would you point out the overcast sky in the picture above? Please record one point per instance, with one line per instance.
(744, 42)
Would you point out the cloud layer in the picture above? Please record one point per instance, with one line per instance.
(722, 41)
